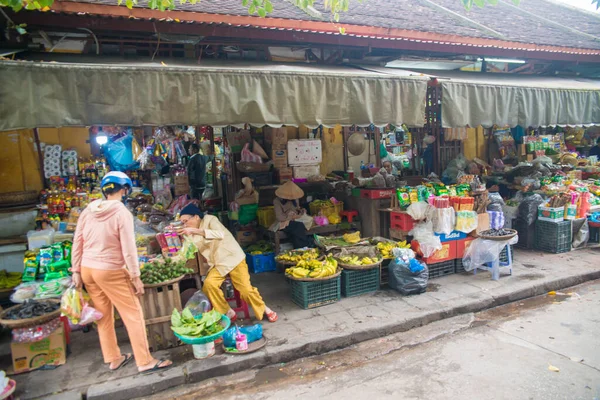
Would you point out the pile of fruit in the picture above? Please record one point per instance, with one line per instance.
(157, 272)
(352, 237)
(9, 280)
(260, 247)
(356, 260)
(295, 256)
(314, 268)
(386, 248)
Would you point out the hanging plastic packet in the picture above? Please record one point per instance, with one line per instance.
(30, 267)
(45, 258)
(58, 253)
(67, 247)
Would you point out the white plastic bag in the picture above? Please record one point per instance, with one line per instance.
(444, 220)
(419, 210)
(428, 242)
(481, 252)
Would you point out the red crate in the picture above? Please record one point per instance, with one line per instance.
(462, 246)
(446, 253)
(401, 220)
(376, 193)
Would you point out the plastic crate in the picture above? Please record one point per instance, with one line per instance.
(594, 235)
(326, 210)
(553, 237)
(317, 293)
(355, 283)
(266, 216)
(459, 268)
(441, 269)
(261, 262)
(384, 272)
(526, 234)
(247, 213)
(401, 221)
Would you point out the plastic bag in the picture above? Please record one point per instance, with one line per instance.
(481, 252)
(419, 210)
(74, 304)
(466, 221)
(581, 232)
(198, 303)
(188, 249)
(510, 213)
(528, 208)
(444, 220)
(428, 241)
(253, 333)
(119, 153)
(404, 280)
(35, 333)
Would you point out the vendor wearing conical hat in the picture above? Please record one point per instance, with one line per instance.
(288, 213)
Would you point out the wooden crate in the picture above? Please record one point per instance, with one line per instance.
(158, 303)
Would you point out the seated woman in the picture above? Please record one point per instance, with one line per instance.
(224, 257)
(288, 210)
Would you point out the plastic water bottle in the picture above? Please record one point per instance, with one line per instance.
(362, 165)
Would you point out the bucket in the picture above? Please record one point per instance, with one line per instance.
(203, 350)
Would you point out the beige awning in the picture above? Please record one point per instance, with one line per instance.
(473, 99)
(43, 94)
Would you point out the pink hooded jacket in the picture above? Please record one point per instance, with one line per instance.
(105, 239)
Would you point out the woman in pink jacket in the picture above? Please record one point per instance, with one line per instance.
(105, 259)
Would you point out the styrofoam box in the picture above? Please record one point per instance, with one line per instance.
(304, 152)
(306, 171)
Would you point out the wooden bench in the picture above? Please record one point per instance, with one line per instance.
(277, 237)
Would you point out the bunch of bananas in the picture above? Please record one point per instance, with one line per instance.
(297, 256)
(352, 237)
(385, 248)
(355, 260)
(9, 280)
(314, 269)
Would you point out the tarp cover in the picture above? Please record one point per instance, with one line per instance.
(473, 99)
(43, 94)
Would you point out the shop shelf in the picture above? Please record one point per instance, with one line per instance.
(357, 282)
(401, 220)
(261, 262)
(317, 293)
(441, 269)
(266, 216)
(553, 237)
(526, 234)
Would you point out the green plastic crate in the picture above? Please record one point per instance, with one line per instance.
(355, 283)
(247, 213)
(553, 237)
(315, 294)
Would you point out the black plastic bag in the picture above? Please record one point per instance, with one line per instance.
(528, 208)
(403, 280)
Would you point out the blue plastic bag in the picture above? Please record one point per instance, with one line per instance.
(253, 333)
(119, 152)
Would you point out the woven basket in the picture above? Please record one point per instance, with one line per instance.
(359, 267)
(326, 278)
(29, 322)
(499, 238)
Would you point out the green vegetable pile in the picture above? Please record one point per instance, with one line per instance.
(185, 324)
(158, 272)
(260, 247)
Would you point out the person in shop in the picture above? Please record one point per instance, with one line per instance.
(196, 169)
(224, 257)
(287, 213)
(105, 259)
(595, 151)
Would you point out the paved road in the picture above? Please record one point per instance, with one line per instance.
(541, 348)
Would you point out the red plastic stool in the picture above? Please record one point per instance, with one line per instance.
(240, 305)
(349, 214)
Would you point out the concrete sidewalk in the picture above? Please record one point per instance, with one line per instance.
(300, 333)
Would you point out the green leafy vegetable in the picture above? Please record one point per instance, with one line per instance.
(186, 325)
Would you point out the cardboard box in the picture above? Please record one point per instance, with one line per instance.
(245, 238)
(276, 138)
(31, 356)
(454, 235)
(446, 253)
(551, 214)
(306, 171)
(237, 140)
(182, 185)
(483, 224)
(280, 159)
(304, 152)
(283, 175)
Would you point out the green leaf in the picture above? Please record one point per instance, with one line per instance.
(252, 9)
(176, 319)
(245, 3)
(20, 30)
(467, 3)
(129, 4)
(479, 3)
(261, 12)
(493, 2)
(516, 2)
(269, 6)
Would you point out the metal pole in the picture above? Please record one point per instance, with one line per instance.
(36, 138)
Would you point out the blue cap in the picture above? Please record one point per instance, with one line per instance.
(191, 209)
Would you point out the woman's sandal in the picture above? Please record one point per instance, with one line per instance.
(126, 360)
(157, 367)
(272, 316)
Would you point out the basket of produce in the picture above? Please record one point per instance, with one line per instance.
(386, 249)
(158, 273)
(9, 280)
(498, 234)
(348, 239)
(202, 329)
(358, 263)
(293, 257)
(314, 270)
(30, 313)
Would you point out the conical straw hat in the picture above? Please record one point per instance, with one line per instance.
(289, 191)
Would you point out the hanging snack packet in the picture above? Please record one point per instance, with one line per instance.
(422, 193)
(413, 194)
(30, 264)
(45, 258)
(58, 253)
(67, 247)
(403, 198)
(59, 266)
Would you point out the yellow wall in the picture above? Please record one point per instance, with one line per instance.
(476, 144)
(19, 166)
